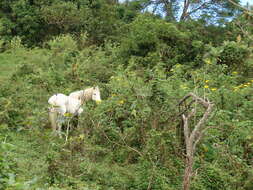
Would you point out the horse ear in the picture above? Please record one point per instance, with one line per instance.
(94, 87)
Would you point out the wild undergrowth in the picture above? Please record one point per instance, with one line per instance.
(132, 139)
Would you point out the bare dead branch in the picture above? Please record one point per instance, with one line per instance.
(186, 129)
(183, 99)
(192, 138)
(201, 122)
(192, 113)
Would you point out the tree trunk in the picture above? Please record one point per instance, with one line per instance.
(188, 172)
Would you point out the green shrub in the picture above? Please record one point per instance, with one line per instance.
(233, 54)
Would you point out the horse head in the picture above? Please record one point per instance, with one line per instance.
(96, 94)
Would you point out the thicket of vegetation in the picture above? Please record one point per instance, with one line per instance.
(145, 57)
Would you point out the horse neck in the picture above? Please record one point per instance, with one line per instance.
(86, 95)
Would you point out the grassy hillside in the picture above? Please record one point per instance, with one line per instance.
(8, 65)
(9, 61)
(131, 140)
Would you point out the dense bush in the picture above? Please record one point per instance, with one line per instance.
(134, 124)
(234, 54)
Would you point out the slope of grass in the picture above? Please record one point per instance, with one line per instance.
(29, 151)
(8, 64)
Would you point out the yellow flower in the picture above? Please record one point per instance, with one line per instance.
(235, 73)
(248, 83)
(183, 86)
(245, 85)
(207, 81)
(98, 101)
(208, 61)
(251, 80)
(67, 114)
(121, 102)
(213, 89)
(114, 95)
(81, 136)
(206, 86)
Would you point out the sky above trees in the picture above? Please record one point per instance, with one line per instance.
(244, 2)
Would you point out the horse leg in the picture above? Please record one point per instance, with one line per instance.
(59, 129)
(53, 119)
(60, 122)
(67, 132)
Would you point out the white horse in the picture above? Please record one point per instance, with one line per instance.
(92, 93)
(62, 105)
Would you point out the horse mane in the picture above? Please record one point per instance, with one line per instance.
(87, 94)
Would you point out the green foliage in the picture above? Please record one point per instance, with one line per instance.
(7, 167)
(212, 178)
(37, 21)
(133, 125)
(22, 19)
(63, 17)
(16, 43)
(62, 43)
(148, 36)
(233, 54)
